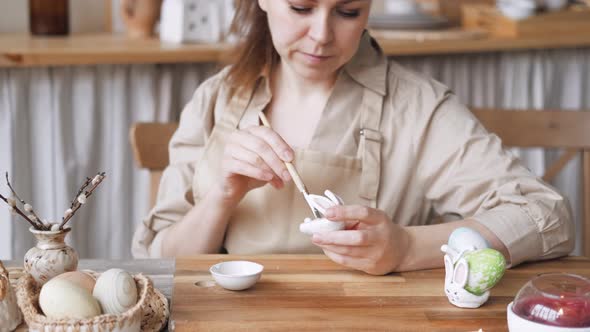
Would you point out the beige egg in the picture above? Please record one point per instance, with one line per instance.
(116, 291)
(80, 278)
(61, 298)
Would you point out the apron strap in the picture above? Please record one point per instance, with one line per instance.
(370, 145)
(237, 107)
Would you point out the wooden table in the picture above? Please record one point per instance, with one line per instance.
(306, 293)
(311, 293)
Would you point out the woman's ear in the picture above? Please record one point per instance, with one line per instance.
(262, 4)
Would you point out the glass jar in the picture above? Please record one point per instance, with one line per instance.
(555, 299)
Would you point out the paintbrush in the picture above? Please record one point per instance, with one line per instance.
(296, 178)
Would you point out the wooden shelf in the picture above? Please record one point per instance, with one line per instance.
(26, 51)
(483, 45)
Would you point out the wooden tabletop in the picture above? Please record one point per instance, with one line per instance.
(300, 292)
(311, 293)
(23, 50)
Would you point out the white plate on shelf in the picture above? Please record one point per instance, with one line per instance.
(412, 21)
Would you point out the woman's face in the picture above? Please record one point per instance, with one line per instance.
(316, 37)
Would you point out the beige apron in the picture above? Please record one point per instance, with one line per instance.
(267, 220)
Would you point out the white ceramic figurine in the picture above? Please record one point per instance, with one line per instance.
(322, 225)
(10, 316)
(471, 268)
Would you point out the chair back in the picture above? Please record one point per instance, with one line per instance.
(149, 141)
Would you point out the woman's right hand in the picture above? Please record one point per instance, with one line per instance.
(252, 158)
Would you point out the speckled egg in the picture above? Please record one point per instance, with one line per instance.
(486, 268)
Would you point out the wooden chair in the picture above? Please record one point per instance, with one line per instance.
(150, 149)
(569, 130)
(522, 128)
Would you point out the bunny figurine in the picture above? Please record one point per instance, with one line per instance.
(471, 268)
(455, 282)
(10, 316)
(322, 225)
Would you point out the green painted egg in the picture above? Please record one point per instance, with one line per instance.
(486, 268)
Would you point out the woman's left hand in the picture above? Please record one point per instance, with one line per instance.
(371, 242)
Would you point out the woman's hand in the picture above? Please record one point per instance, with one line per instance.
(370, 243)
(252, 158)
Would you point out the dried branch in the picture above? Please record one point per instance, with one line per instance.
(76, 203)
(30, 207)
(81, 190)
(81, 196)
(17, 210)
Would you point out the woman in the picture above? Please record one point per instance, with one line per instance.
(399, 148)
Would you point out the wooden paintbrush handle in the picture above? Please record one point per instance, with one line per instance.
(296, 177)
(290, 167)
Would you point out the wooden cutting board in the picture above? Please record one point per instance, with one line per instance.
(311, 293)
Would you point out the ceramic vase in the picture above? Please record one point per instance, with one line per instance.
(140, 16)
(51, 256)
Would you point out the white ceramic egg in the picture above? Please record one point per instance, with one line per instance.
(116, 291)
(79, 278)
(465, 238)
(61, 298)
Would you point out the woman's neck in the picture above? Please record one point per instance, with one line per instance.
(297, 105)
(286, 79)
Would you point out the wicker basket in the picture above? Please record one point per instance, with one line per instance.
(149, 314)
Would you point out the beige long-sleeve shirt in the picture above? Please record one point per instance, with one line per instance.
(437, 160)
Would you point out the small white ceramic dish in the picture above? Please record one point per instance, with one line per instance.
(517, 9)
(554, 5)
(517, 324)
(236, 275)
(401, 7)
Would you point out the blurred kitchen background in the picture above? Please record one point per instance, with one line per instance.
(67, 101)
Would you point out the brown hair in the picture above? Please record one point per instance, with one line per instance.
(255, 51)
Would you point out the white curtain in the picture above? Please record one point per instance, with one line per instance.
(59, 125)
(546, 79)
